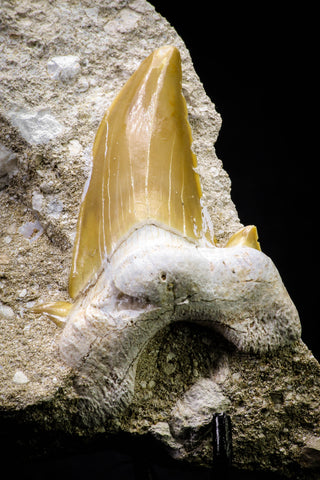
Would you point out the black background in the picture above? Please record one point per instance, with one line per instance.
(259, 67)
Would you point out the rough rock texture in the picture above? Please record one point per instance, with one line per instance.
(61, 65)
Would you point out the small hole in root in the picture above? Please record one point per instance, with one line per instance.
(163, 277)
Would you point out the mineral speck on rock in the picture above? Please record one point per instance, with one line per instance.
(20, 378)
(64, 68)
(36, 126)
(75, 147)
(6, 312)
(37, 201)
(31, 230)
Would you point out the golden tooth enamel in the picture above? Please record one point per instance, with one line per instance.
(143, 167)
(246, 237)
(56, 311)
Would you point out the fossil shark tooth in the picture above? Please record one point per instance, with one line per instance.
(246, 237)
(143, 168)
(143, 256)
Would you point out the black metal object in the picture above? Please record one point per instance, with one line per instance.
(222, 445)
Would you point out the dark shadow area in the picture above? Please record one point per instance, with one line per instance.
(257, 64)
(117, 459)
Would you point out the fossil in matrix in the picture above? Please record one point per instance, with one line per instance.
(145, 254)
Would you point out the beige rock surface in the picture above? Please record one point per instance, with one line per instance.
(61, 64)
(50, 123)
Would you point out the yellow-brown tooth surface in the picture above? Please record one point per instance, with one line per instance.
(246, 237)
(143, 168)
(56, 311)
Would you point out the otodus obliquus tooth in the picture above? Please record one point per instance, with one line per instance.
(143, 257)
(143, 167)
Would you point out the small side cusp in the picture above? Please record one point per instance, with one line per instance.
(246, 237)
(56, 311)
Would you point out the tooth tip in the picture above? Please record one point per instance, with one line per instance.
(166, 51)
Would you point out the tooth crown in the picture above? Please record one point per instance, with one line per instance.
(143, 168)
